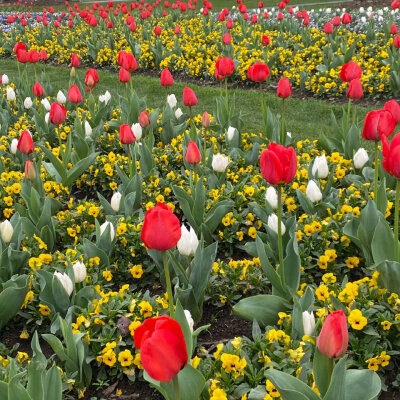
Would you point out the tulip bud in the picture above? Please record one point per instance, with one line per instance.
(65, 282)
(219, 162)
(10, 94)
(103, 228)
(178, 113)
(308, 323)
(6, 231)
(13, 146)
(205, 120)
(88, 129)
(189, 320)
(115, 201)
(230, 133)
(46, 104)
(72, 74)
(313, 192)
(272, 197)
(47, 118)
(171, 100)
(360, 158)
(187, 244)
(192, 155)
(61, 97)
(79, 271)
(4, 79)
(137, 131)
(28, 103)
(144, 119)
(30, 171)
(320, 167)
(273, 224)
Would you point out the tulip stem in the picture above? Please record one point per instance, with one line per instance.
(226, 95)
(169, 287)
(331, 365)
(280, 247)
(348, 115)
(263, 110)
(396, 221)
(283, 123)
(376, 173)
(194, 177)
(176, 388)
(354, 114)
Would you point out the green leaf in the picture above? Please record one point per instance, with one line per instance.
(181, 318)
(292, 265)
(321, 371)
(382, 245)
(264, 308)
(53, 383)
(336, 388)
(3, 390)
(389, 276)
(362, 385)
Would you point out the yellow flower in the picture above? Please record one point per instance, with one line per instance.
(22, 357)
(44, 310)
(109, 358)
(145, 309)
(107, 275)
(271, 389)
(386, 325)
(357, 320)
(136, 271)
(218, 394)
(125, 358)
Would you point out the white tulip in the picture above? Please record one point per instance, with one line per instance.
(219, 162)
(171, 100)
(328, 10)
(380, 12)
(273, 224)
(10, 94)
(271, 196)
(65, 282)
(88, 129)
(47, 118)
(308, 323)
(313, 192)
(104, 226)
(362, 10)
(178, 113)
(189, 319)
(137, 131)
(6, 231)
(363, 20)
(13, 146)
(230, 133)
(46, 104)
(115, 201)
(79, 271)
(105, 98)
(369, 9)
(187, 244)
(61, 97)
(4, 79)
(28, 103)
(320, 167)
(360, 158)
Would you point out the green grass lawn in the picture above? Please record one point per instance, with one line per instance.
(305, 118)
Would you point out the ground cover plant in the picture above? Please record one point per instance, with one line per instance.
(206, 241)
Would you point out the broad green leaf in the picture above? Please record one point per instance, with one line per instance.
(336, 389)
(321, 368)
(382, 245)
(362, 385)
(389, 276)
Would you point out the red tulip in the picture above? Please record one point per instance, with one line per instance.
(391, 155)
(258, 72)
(242, 8)
(254, 19)
(177, 30)
(229, 24)
(205, 120)
(161, 228)
(43, 55)
(33, 56)
(192, 155)
(394, 30)
(225, 66)
(124, 75)
(350, 71)
(226, 39)
(333, 339)
(30, 171)
(378, 123)
(328, 28)
(166, 78)
(280, 16)
(38, 90)
(396, 42)
(394, 108)
(265, 41)
(395, 4)
(74, 94)
(126, 135)
(91, 78)
(19, 46)
(355, 90)
(127, 61)
(189, 97)
(260, 4)
(162, 347)
(57, 114)
(157, 30)
(336, 21)
(22, 56)
(346, 18)
(284, 88)
(278, 164)
(144, 119)
(25, 143)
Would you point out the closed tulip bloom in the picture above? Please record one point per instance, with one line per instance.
(157, 30)
(6, 231)
(205, 120)
(162, 346)
(258, 72)
(166, 78)
(396, 42)
(74, 94)
(161, 228)
(333, 339)
(360, 158)
(328, 28)
(273, 224)
(320, 167)
(79, 271)
(226, 39)
(378, 123)
(308, 323)
(91, 78)
(28, 103)
(313, 192)
(25, 143)
(395, 5)
(350, 71)
(284, 88)
(137, 131)
(88, 129)
(219, 162)
(33, 56)
(38, 90)
(171, 100)
(4, 79)
(61, 97)
(346, 19)
(144, 119)
(126, 135)
(189, 97)
(187, 244)
(336, 21)
(11, 94)
(30, 171)
(178, 113)
(225, 66)
(355, 90)
(394, 108)
(103, 228)
(115, 201)
(229, 24)
(46, 104)
(127, 61)
(124, 75)
(14, 146)
(75, 61)
(65, 282)
(192, 155)
(57, 114)
(394, 30)
(265, 41)
(391, 155)
(278, 164)
(271, 196)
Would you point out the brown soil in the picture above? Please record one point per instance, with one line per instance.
(366, 3)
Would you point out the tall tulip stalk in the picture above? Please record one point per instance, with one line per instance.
(284, 90)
